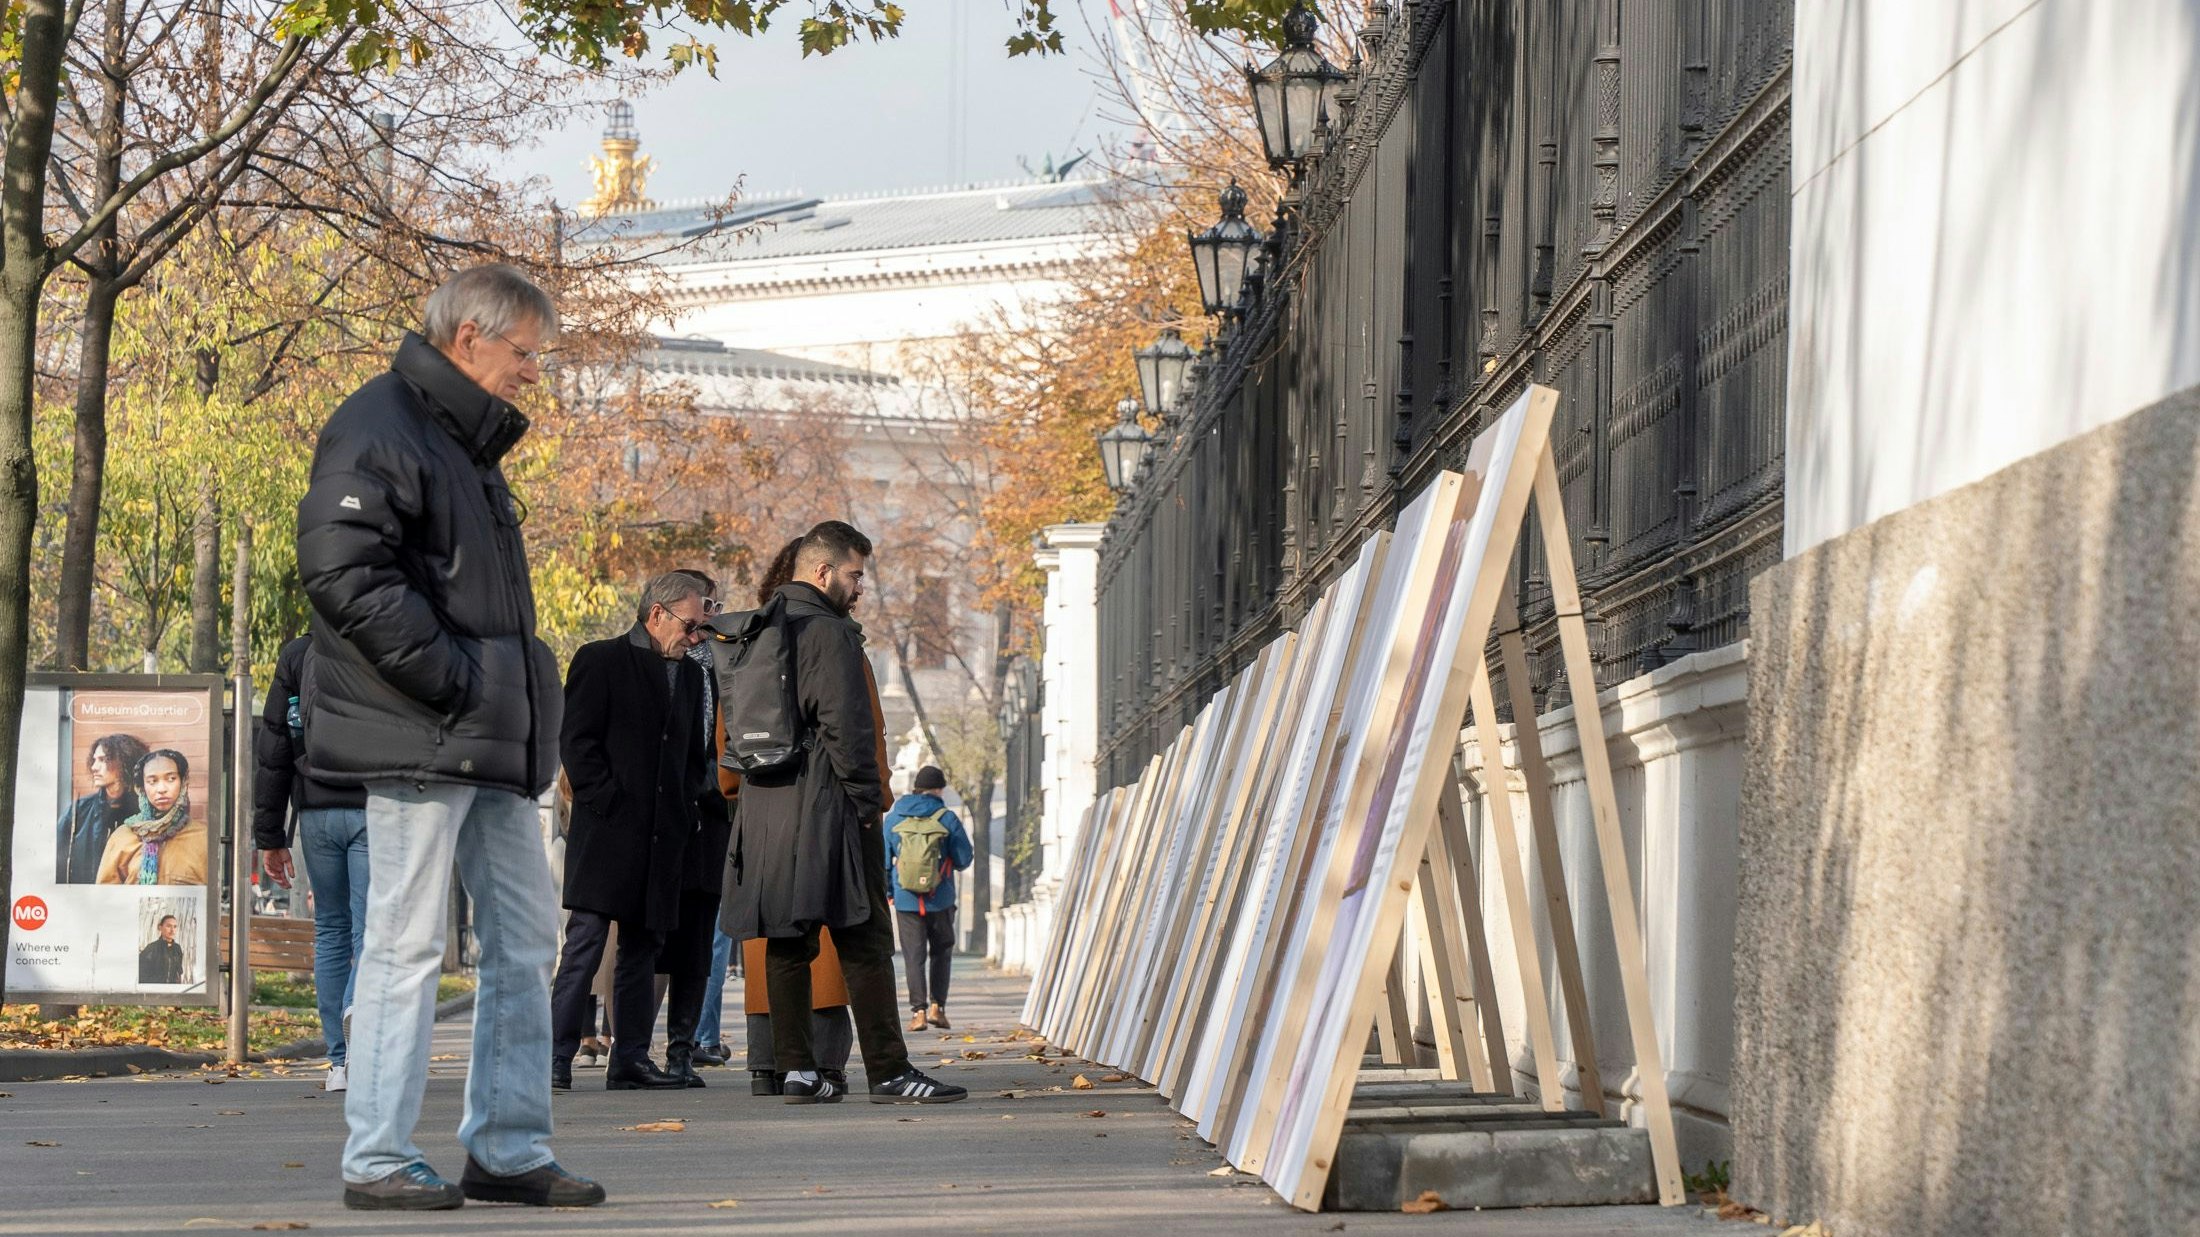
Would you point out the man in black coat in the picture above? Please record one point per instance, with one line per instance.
(806, 837)
(433, 693)
(634, 748)
(161, 961)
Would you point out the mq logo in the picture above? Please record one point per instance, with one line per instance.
(29, 913)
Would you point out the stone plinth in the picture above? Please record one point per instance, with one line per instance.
(1968, 959)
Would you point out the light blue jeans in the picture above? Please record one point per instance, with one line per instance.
(714, 990)
(414, 833)
(332, 843)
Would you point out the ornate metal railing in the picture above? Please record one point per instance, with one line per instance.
(1592, 196)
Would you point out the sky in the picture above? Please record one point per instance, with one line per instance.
(943, 104)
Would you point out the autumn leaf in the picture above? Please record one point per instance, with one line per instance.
(1080, 1083)
(1428, 1203)
(1097, 1112)
(279, 1226)
(725, 1204)
(947, 1061)
(970, 1054)
(41, 1142)
(658, 1127)
(1223, 1171)
(1115, 1078)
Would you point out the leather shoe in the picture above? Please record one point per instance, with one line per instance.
(641, 1075)
(561, 1075)
(414, 1187)
(548, 1186)
(680, 1063)
(764, 1082)
(712, 1054)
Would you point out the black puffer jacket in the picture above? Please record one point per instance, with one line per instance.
(283, 779)
(425, 664)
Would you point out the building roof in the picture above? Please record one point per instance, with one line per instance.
(763, 228)
(709, 359)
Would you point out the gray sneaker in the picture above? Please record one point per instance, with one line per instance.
(414, 1187)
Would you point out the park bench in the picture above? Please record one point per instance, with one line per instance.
(275, 944)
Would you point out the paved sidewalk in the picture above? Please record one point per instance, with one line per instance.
(170, 1152)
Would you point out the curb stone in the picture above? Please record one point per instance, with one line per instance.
(36, 1064)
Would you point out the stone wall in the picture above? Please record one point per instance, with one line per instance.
(1968, 969)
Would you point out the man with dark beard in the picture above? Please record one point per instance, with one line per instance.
(806, 839)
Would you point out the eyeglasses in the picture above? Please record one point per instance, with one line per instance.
(537, 355)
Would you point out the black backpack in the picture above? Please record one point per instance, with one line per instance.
(754, 661)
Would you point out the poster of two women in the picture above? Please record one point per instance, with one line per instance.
(129, 770)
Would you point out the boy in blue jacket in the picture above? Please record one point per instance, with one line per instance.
(924, 902)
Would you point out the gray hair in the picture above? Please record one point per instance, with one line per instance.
(667, 590)
(495, 297)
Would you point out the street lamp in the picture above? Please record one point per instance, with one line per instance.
(1123, 448)
(1161, 368)
(1294, 92)
(1222, 252)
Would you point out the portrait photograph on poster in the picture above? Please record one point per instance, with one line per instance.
(128, 768)
(168, 941)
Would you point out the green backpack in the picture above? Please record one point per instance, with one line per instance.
(922, 858)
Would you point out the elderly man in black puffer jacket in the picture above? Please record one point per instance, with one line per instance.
(433, 693)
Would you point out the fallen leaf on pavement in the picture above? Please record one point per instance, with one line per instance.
(41, 1142)
(444, 1056)
(1428, 1202)
(1097, 1112)
(947, 1060)
(230, 1112)
(726, 1204)
(1812, 1229)
(279, 1226)
(1081, 1083)
(1223, 1171)
(658, 1127)
(1006, 1117)
(908, 1118)
(294, 1163)
(1011, 1095)
(210, 1222)
(970, 1039)
(7, 1095)
(972, 1054)
(1338, 1227)
(1115, 1077)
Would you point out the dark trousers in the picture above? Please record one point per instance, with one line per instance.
(927, 954)
(685, 962)
(867, 962)
(633, 987)
(831, 1038)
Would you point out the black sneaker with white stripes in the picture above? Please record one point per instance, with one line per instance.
(823, 1091)
(914, 1088)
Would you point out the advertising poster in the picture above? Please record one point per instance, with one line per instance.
(119, 791)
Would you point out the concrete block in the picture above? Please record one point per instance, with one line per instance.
(1563, 1164)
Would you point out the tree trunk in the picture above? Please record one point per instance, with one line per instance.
(24, 264)
(206, 582)
(95, 337)
(981, 862)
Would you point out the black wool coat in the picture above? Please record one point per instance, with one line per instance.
(805, 837)
(642, 781)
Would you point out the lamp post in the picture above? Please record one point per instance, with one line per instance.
(1123, 448)
(1223, 253)
(1295, 92)
(1161, 366)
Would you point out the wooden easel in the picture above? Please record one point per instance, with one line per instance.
(1444, 900)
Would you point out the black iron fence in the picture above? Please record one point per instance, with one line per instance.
(1593, 196)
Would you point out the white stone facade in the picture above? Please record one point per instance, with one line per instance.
(1995, 244)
